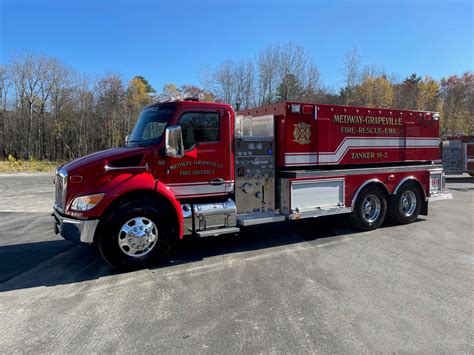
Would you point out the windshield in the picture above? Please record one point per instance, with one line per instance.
(151, 124)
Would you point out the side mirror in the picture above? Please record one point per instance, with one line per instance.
(174, 142)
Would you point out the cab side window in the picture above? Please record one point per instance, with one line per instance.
(199, 127)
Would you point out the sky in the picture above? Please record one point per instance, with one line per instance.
(172, 41)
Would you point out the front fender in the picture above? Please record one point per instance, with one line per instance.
(117, 186)
(164, 190)
(114, 186)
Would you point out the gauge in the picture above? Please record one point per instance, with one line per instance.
(251, 146)
(259, 146)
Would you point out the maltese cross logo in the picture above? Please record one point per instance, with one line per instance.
(302, 133)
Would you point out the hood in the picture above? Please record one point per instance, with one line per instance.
(122, 156)
(91, 176)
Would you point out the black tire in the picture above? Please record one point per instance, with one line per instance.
(111, 231)
(401, 209)
(359, 218)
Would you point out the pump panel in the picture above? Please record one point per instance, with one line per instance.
(255, 165)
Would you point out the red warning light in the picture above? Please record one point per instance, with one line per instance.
(308, 109)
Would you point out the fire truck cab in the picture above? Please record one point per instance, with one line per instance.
(195, 168)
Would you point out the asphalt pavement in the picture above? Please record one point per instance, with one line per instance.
(320, 287)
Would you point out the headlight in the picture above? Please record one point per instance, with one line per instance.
(85, 203)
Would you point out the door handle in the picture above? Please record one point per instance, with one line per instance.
(218, 181)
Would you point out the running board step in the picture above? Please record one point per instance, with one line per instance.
(251, 219)
(215, 232)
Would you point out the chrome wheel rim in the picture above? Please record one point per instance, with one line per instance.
(408, 203)
(371, 208)
(138, 236)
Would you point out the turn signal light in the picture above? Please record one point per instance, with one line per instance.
(75, 179)
(86, 203)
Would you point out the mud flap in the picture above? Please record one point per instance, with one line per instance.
(424, 208)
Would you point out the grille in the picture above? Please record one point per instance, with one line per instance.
(60, 187)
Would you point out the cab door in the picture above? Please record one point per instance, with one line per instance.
(204, 170)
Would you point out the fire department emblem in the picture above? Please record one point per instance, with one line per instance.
(302, 133)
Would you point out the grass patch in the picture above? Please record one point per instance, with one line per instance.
(14, 165)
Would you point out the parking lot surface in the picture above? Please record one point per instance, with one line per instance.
(272, 289)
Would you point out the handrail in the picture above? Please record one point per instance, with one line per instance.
(114, 168)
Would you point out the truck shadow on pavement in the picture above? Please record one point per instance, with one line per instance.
(59, 262)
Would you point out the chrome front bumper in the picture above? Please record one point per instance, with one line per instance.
(75, 230)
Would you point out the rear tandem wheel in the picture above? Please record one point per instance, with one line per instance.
(404, 207)
(369, 210)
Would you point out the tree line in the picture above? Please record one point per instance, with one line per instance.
(50, 111)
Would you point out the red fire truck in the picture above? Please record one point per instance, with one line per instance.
(195, 168)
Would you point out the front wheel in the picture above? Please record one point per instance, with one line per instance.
(369, 210)
(135, 236)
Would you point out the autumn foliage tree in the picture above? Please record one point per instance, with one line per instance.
(374, 92)
(457, 94)
(137, 96)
